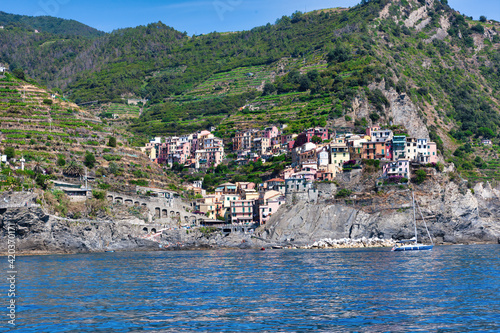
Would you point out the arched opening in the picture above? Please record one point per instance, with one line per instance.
(157, 212)
(129, 202)
(119, 200)
(164, 213)
(145, 230)
(144, 205)
(110, 198)
(172, 213)
(153, 231)
(137, 203)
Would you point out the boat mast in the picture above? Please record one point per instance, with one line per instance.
(414, 218)
(428, 233)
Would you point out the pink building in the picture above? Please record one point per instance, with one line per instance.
(270, 132)
(370, 130)
(271, 207)
(318, 131)
(400, 168)
(241, 211)
(432, 150)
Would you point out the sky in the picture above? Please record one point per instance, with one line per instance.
(199, 16)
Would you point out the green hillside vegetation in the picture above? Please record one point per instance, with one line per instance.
(309, 69)
(48, 24)
(58, 140)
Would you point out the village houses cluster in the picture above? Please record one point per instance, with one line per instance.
(317, 155)
(200, 150)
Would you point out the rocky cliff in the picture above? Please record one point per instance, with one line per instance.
(453, 213)
(39, 233)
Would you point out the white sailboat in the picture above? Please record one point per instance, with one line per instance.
(413, 244)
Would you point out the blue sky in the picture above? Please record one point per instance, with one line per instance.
(199, 16)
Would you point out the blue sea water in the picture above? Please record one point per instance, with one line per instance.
(448, 289)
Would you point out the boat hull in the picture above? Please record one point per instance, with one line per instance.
(417, 247)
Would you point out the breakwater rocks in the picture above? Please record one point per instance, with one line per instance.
(345, 243)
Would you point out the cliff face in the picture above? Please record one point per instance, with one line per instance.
(38, 233)
(453, 214)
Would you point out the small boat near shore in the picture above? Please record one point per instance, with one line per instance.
(413, 244)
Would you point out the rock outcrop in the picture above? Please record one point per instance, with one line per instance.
(452, 212)
(39, 233)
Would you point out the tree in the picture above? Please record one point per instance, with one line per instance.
(316, 139)
(73, 170)
(112, 142)
(374, 116)
(38, 165)
(89, 160)
(482, 18)
(19, 73)
(269, 89)
(41, 181)
(340, 53)
(113, 168)
(486, 132)
(10, 152)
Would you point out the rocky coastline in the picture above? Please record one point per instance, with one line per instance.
(455, 214)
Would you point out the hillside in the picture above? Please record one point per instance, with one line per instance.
(48, 24)
(60, 141)
(419, 64)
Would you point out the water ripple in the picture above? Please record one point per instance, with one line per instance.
(375, 290)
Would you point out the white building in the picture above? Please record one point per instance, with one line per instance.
(422, 151)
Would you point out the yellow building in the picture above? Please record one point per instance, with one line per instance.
(339, 153)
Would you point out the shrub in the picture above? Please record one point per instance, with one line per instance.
(89, 160)
(47, 101)
(99, 195)
(61, 161)
(112, 142)
(10, 152)
(139, 182)
(420, 176)
(343, 193)
(104, 186)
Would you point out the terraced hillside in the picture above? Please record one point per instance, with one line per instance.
(59, 138)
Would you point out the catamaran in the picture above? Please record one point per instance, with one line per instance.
(413, 244)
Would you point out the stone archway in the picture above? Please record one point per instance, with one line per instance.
(137, 203)
(129, 202)
(157, 212)
(118, 200)
(164, 213)
(153, 230)
(145, 230)
(110, 198)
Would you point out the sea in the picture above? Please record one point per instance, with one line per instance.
(448, 289)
